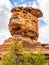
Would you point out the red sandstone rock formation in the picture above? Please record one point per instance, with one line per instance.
(23, 26)
(28, 44)
(24, 22)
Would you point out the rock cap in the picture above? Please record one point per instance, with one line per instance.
(34, 11)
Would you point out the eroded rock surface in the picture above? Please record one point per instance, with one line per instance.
(24, 22)
(23, 26)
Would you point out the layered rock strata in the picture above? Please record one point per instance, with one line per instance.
(23, 26)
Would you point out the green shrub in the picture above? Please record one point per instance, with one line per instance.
(17, 56)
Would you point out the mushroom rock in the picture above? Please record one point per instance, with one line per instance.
(24, 22)
(23, 26)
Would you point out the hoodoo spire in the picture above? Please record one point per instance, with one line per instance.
(23, 26)
(24, 22)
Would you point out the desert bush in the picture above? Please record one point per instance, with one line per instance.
(17, 56)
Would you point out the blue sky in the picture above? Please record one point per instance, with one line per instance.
(43, 22)
(21, 2)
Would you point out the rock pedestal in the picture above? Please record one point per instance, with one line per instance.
(23, 26)
(24, 22)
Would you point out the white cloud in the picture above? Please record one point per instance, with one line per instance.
(30, 4)
(6, 3)
(4, 35)
(44, 31)
(24, 5)
(44, 6)
(44, 34)
(5, 7)
(34, 5)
